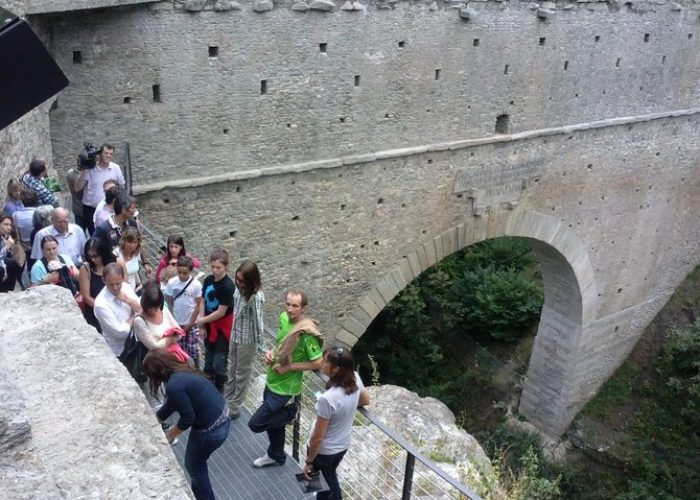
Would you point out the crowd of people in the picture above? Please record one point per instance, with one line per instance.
(100, 258)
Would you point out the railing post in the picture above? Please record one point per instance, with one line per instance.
(296, 431)
(408, 476)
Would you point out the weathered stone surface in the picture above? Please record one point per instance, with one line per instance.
(467, 13)
(351, 6)
(92, 433)
(300, 6)
(226, 5)
(194, 5)
(429, 426)
(262, 5)
(14, 426)
(322, 5)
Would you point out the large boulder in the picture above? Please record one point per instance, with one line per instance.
(73, 423)
(429, 426)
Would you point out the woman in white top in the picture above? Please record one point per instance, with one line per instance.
(335, 412)
(154, 328)
(153, 325)
(130, 250)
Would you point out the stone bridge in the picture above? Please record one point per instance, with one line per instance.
(347, 147)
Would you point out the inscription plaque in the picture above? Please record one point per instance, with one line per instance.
(496, 183)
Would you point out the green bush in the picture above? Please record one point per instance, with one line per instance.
(502, 303)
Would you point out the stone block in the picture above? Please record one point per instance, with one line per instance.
(194, 5)
(351, 6)
(300, 6)
(370, 308)
(345, 337)
(388, 288)
(262, 6)
(406, 271)
(352, 326)
(414, 262)
(226, 5)
(437, 246)
(322, 5)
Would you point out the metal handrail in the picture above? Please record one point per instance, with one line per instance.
(315, 383)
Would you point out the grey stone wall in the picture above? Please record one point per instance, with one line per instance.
(47, 6)
(21, 141)
(73, 424)
(347, 82)
(347, 151)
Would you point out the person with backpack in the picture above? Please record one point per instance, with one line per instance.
(53, 268)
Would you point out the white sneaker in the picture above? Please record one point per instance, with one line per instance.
(265, 461)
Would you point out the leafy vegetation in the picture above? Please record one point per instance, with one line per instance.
(462, 332)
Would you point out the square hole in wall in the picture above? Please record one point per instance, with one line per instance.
(77, 57)
(323, 47)
(690, 36)
(127, 100)
(437, 74)
(402, 44)
(566, 65)
(542, 41)
(596, 38)
(263, 86)
(156, 93)
(213, 51)
(357, 80)
(646, 37)
(502, 124)
(475, 42)
(505, 69)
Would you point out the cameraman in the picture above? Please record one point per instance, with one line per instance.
(93, 179)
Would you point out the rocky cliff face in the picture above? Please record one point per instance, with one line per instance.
(73, 424)
(429, 426)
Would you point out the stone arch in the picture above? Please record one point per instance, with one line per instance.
(550, 395)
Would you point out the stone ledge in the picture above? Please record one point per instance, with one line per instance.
(92, 429)
(405, 152)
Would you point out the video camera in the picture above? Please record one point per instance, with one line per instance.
(87, 159)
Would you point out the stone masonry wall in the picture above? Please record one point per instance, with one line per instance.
(227, 89)
(334, 146)
(21, 141)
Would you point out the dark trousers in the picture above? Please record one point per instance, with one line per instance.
(216, 360)
(273, 416)
(200, 445)
(328, 464)
(88, 224)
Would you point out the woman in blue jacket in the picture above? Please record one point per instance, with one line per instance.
(201, 407)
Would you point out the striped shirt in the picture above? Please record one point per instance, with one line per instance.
(247, 318)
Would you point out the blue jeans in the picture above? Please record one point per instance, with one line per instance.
(200, 445)
(328, 464)
(273, 416)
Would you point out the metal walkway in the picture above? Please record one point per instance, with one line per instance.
(231, 470)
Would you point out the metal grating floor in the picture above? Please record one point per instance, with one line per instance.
(231, 467)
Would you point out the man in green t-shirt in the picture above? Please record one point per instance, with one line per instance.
(298, 347)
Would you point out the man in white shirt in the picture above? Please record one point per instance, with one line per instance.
(71, 238)
(93, 180)
(115, 308)
(105, 208)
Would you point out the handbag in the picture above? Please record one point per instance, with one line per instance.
(132, 356)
